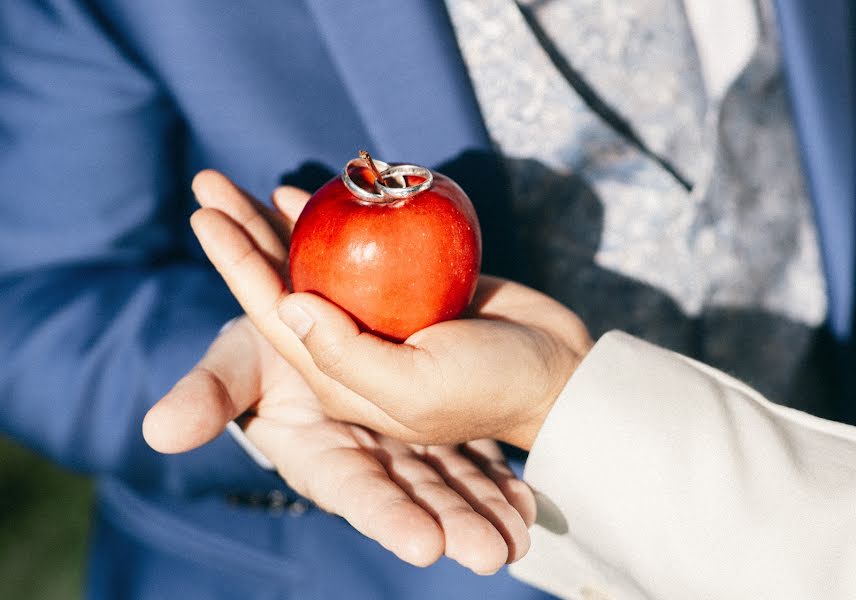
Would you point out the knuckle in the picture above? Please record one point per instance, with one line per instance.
(328, 357)
(500, 505)
(252, 218)
(242, 257)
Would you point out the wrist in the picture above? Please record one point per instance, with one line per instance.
(524, 432)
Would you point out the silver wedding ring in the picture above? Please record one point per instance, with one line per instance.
(387, 193)
(356, 189)
(402, 171)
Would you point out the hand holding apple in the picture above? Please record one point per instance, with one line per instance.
(493, 374)
(418, 501)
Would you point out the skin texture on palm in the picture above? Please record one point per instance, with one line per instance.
(420, 502)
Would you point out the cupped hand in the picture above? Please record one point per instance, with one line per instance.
(493, 374)
(418, 501)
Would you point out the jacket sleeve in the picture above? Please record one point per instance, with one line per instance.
(104, 305)
(659, 478)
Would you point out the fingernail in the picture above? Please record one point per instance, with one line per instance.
(296, 319)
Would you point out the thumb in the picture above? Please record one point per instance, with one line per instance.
(220, 387)
(382, 372)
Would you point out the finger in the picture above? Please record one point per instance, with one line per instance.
(486, 290)
(264, 226)
(471, 539)
(381, 371)
(353, 484)
(490, 459)
(217, 389)
(480, 492)
(253, 280)
(290, 201)
(259, 289)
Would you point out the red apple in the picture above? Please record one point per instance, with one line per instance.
(398, 249)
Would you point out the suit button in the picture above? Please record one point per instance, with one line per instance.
(276, 502)
(298, 507)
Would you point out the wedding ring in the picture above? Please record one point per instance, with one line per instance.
(385, 192)
(403, 171)
(355, 189)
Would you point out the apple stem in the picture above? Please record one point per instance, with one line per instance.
(368, 158)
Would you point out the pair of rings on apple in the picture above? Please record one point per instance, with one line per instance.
(396, 173)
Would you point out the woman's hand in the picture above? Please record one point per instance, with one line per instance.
(494, 373)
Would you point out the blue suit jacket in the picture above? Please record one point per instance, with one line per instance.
(108, 108)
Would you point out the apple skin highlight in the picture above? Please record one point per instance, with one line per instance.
(396, 267)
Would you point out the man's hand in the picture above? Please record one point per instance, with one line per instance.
(493, 374)
(417, 501)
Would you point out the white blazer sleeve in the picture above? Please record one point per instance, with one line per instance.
(661, 478)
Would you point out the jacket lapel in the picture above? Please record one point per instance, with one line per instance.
(819, 57)
(401, 64)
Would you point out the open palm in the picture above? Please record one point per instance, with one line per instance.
(418, 501)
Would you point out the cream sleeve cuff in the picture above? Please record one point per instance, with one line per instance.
(661, 478)
(244, 442)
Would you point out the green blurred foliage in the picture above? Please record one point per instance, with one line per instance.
(44, 518)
